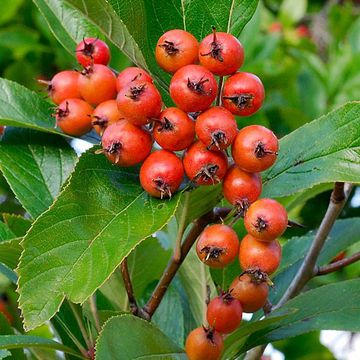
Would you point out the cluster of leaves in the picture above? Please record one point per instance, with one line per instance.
(84, 216)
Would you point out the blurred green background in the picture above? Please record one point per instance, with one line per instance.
(306, 52)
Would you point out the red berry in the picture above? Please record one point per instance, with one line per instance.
(193, 88)
(203, 166)
(216, 128)
(204, 344)
(243, 94)
(131, 74)
(97, 84)
(92, 51)
(105, 114)
(64, 85)
(255, 148)
(217, 246)
(175, 49)
(224, 313)
(255, 254)
(2, 128)
(275, 27)
(161, 173)
(303, 31)
(125, 144)
(73, 116)
(251, 290)
(241, 188)
(221, 53)
(140, 101)
(266, 219)
(175, 130)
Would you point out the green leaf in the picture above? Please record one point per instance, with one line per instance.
(291, 11)
(5, 232)
(195, 277)
(17, 224)
(35, 166)
(330, 307)
(9, 9)
(4, 354)
(22, 107)
(127, 337)
(343, 235)
(99, 218)
(323, 151)
(169, 316)
(67, 24)
(26, 341)
(10, 251)
(7, 272)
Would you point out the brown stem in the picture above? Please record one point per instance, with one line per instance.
(337, 265)
(337, 202)
(94, 311)
(130, 292)
(174, 265)
(218, 101)
(306, 272)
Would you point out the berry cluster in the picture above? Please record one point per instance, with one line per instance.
(129, 116)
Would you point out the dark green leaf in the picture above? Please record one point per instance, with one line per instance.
(96, 221)
(17, 224)
(5, 232)
(36, 166)
(323, 151)
(127, 337)
(169, 316)
(10, 251)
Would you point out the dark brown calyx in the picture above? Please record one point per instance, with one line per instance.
(227, 297)
(88, 48)
(261, 151)
(49, 85)
(169, 47)
(87, 70)
(209, 331)
(241, 101)
(242, 206)
(165, 125)
(218, 138)
(101, 121)
(114, 149)
(136, 91)
(198, 86)
(61, 113)
(260, 224)
(208, 173)
(212, 252)
(162, 187)
(257, 276)
(216, 48)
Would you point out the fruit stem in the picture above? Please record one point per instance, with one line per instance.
(173, 266)
(218, 101)
(182, 227)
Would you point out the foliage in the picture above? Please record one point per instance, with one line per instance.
(67, 223)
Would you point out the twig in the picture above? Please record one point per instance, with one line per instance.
(80, 324)
(182, 226)
(94, 312)
(130, 292)
(218, 101)
(173, 266)
(337, 265)
(337, 202)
